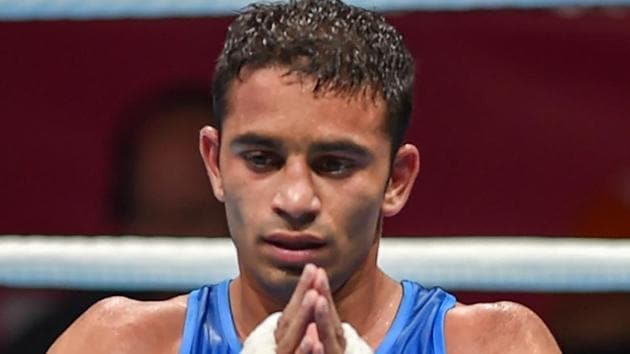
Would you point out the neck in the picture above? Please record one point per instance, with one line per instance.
(369, 301)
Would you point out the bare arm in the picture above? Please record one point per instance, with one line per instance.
(96, 329)
(119, 325)
(502, 327)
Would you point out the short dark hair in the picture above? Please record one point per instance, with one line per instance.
(346, 49)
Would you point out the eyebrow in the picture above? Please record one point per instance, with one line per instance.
(253, 139)
(333, 146)
(344, 146)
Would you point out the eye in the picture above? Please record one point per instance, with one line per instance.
(262, 161)
(334, 166)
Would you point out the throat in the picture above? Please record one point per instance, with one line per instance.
(373, 313)
(248, 311)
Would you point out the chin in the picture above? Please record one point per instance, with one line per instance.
(280, 282)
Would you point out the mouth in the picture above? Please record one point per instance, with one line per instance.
(295, 242)
(294, 249)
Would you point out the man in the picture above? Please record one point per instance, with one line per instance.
(312, 100)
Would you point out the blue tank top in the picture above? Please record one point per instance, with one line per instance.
(417, 328)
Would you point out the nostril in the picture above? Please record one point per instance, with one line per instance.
(296, 221)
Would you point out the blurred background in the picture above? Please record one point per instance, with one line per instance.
(522, 117)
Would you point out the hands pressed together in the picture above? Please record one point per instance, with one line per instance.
(310, 323)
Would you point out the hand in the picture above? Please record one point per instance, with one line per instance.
(327, 322)
(309, 323)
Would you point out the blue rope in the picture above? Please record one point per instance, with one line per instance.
(18, 10)
(469, 263)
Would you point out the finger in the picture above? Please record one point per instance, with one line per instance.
(318, 348)
(288, 336)
(295, 303)
(327, 318)
(310, 341)
(329, 329)
(305, 347)
(320, 282)
(305, 283)
(322, 285)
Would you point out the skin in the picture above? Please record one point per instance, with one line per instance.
(291, 165)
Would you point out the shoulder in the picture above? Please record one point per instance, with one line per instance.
(500, 327)
(122, 325)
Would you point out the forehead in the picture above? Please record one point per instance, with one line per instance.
(271, 101)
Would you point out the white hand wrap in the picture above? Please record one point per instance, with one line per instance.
(354, 343)
(263, 341)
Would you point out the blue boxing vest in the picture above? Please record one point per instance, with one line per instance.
(418, 327)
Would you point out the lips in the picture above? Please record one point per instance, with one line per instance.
(295, 242)
(287, 248)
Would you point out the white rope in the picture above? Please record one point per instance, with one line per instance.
(91, 9)
(467, 263)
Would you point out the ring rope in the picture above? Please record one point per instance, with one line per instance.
(533, 264)
(20, 10)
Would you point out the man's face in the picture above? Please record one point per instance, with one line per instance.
(302, 177)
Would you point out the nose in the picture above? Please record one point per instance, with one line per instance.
(296, 199)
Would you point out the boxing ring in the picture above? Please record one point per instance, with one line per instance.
(106, 9)
(527, 264)
(470, 263)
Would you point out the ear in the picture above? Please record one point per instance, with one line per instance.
(402, 177)
(209, 144)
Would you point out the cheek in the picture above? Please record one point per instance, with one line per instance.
(357, 211)
(364, 221)
(246, 204)
(234, 215)
(238, 209)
